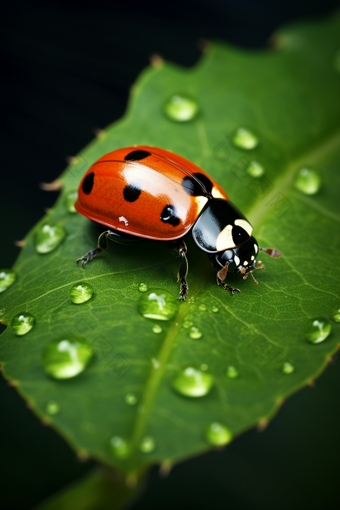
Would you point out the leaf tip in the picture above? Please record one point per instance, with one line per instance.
(165, 468)
(19, 244)
(99, 133)
(156, 60)
(262, 424)
(82, 456)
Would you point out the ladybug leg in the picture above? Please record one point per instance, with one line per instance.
(181, 250)
(101, 246)
(221, 276)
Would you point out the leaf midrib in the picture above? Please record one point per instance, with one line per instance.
(257, 214)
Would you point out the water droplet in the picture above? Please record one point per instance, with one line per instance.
(52, 407)
(255, 169)
(308, 181)
(22, 323)
(218, 434)
(214, 309)
(193, 382)
(142, 287)
(202, 308)
(130, 399)
(288, 368)
(232, 372)
(81, 292)
(157, 329)
(204, 366)
(7, 277)
(195, 333)
(337, 61)
(119, 447)
(48, 237)
(336, 315)
(187, 324)
(63, 359)
(317, 330)
(147, 444)
(69, 201)
(158, 304)
(245, 139)
(181, 108)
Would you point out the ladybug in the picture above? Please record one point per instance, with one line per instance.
(143, 192)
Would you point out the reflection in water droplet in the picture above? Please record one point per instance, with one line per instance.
(214, 309)
(218, 434)
(288, 368)
(181, 108)
(308, 181)
(63, 359)
(130, 399)
(193, 382)
(69, 201)
(147, 444)
(337, 61)
(245, 139)
(202, 308)
(232, 372)
(255, 169)
(52, 407)
(81, 292)
(22, 323)
(336, 315)
(187, 324)
(142, 287)
(119, 447)
(156, 328)
(317, 330)
(195, 333)
(48, 237)
(7, 277)
(158, 304)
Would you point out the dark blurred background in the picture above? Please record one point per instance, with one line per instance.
(67, 67)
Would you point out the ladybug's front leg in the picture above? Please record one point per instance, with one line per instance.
(101, 246)
(181, 249)
(221, 276)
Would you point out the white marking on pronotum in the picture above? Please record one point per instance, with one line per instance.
(245, 225)
(225, 239)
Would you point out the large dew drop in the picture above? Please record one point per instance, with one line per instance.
(193, 382)
(195, 333)
(317, 330)
(288, 368)
(81, 292)
(130, 399)
(22, 323)
(158, 304)
(232, 372)
(181, 108)
(48, 237)
(63, 359)
(7, 278)
(245, 139)
(308, 181)
(52, 407)
(119, 447)
(142, 287)
(218, 434)
(69, 201)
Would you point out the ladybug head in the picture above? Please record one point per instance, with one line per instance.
(242, 259)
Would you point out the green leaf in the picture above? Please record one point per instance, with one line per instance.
(290, 99)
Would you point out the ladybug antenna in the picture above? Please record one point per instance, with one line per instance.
(253, 277)
(271, 252)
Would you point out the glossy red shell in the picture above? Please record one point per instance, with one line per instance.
(159, 178)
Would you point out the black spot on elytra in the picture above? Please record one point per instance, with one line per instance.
(168, 215)
(131, 192)
(239, 235)
(88, 183)
(199, 186)
(137, 155)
